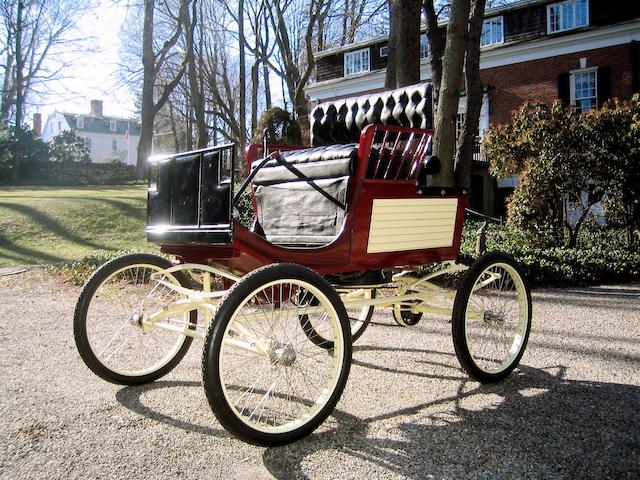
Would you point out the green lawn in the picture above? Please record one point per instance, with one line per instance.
(43, 225)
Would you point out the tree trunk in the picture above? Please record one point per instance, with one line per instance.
(267, 86)
(255, 71)
(195, 87)
(243, 80)
(148, 114)
(445, 124)
(436, 48)
(467, 140)
(17, 154)
(403, 57)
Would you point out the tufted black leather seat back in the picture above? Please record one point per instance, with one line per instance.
(342, 121)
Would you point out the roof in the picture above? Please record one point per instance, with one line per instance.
(103, 124)
(372, 41)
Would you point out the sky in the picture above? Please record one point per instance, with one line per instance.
(94, 77)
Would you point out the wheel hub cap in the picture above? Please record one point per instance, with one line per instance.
(282, 354)
(491, 317)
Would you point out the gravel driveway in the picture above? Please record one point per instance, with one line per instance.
(572, 410)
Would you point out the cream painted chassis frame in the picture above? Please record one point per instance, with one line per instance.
(207, 301)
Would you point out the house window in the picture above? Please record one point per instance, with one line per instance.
(424, 47)
(584, 89)
(114, 145)
(567, 15)
(80, 122)
(113, 125)
(356, 62)
(384, 50)
(459, 124)
(492, 32)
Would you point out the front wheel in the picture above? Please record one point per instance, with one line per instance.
(266, 381)
(491, 318)
(109, 316)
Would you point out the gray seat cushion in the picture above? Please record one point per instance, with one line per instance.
(293, 213)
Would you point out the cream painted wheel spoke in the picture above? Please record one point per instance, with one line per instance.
(295, 382)
(493, 322)
(113, 321)
(491, 318)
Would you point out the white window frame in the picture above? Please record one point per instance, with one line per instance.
(424, 47)
(572, 85)
(384, 50)
(353, 54)
(491, 21)
(561, 16)
(113, 125)
(80, 122)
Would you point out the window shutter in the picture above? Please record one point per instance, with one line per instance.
(563, 88)
(604, 85)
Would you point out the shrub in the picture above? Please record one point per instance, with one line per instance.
(69, 147)
(280, 128)
(602, 257)
(79, 271)
(569, 161)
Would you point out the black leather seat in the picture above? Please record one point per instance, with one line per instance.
(316, 163)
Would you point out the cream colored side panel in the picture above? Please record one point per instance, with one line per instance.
(411, 224)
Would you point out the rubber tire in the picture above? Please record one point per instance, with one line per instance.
(366, 321)
(322, 342)
(213, 344)
(459, 311)
(80, 317)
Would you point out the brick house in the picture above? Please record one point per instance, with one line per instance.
(580, 51)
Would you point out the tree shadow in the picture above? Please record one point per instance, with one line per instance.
(536, 424)
(53, 225)
(23, 254)
(590, 298)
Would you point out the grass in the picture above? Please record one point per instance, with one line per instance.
(44, 225)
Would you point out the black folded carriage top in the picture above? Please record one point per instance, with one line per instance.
(291, 209)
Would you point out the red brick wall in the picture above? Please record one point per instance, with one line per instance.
(537, 80)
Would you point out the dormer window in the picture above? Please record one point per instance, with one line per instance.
(80, 123)
(567, 15)
(492, 32)
(113, 125)
(356, 62)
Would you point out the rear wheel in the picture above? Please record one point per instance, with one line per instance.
(405, 317)
(491, 318)
(359, 318)
(109, 316)
(266, 381)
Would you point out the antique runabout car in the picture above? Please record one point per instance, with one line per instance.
(343, 227)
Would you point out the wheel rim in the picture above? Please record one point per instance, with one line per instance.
(115, 314)
(288, 382)
(496, 318)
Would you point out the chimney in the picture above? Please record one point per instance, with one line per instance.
(37, 124)
(96, 108)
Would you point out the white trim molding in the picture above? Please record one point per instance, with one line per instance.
(498, 57)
